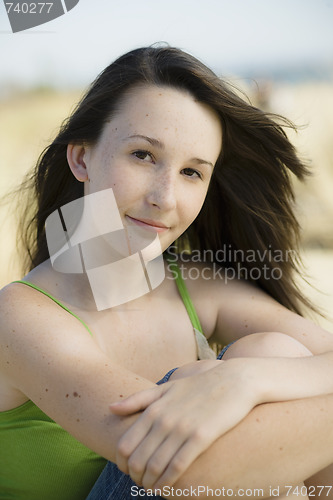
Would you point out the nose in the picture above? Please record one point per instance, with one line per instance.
(163, 191)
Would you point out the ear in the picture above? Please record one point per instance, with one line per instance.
(76, 161)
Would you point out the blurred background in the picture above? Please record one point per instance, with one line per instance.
(279, 51)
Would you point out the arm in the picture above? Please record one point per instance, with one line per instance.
(276, 444)
(242, 309)
(184, 418)
(230, 309)
(48, 357)
(271, 382)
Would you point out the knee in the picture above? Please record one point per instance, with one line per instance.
(267, 344)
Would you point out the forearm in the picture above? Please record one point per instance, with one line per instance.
(284, 379)
(277, 379)
(233, 388)
(277, 444)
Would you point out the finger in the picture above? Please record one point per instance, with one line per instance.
(153, 441)
(159, 461)
(136, 434)
(179, 463)
(130, 440)
(199, 440)
(138, 401)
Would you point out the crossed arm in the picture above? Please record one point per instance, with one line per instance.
(143, 450)
(274, 444)
(182, 421)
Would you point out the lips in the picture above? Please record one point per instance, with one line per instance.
(149, 224)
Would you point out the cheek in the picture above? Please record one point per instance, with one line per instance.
(109, 175)
(125, 191)
(192, 206)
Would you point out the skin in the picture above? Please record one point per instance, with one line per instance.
(46, 354)
(166, 181)
(154, 448)
(263, 345)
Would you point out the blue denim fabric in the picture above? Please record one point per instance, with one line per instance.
(113, 484)
(166, 377)
(224, 350)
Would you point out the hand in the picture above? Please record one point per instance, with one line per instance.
(182, 418)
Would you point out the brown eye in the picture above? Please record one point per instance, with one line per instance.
(190, 172)
(143, 155)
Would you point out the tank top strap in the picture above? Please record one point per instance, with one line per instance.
(173, 266)
(56, 301)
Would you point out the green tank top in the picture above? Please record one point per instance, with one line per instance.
(46, 462)
(41, 461)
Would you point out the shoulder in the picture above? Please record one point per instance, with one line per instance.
(25, 305)
(33, 327)
(228, 307)
(214, 292)
(234, 308)
(211, 281)
(16, 300)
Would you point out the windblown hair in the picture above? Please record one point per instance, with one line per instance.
(249, 205)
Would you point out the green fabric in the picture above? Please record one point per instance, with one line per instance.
(55, 300)
(40, 460)
(173, 266)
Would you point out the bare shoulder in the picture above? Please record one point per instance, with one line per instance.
(25, 311)
(232, 308)
(32, 330)
(49, 357)
(215, 294)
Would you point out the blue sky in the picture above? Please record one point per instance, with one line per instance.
(231, 36)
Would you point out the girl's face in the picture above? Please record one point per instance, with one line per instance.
(157, 154)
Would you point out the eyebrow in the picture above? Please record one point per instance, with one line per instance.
(160, 145)
(151, 140)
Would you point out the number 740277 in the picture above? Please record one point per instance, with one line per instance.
(28, 8)
(310, 491)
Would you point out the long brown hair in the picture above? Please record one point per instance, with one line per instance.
(249, 205)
